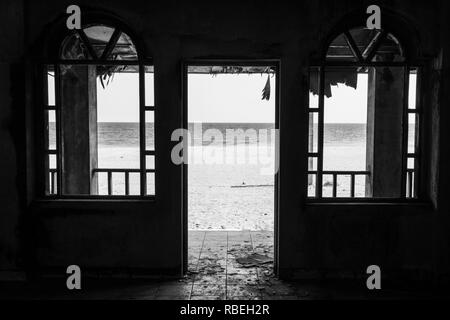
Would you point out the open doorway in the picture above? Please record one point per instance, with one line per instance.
(230, 195)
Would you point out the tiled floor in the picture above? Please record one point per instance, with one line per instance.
(222, 264)
(225, 265)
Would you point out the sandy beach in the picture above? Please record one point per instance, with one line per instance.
(231, 195)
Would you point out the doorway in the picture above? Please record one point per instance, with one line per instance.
(230, 179)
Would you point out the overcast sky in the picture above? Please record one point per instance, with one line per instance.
(347, 105)
(230, 98)
(226, 98)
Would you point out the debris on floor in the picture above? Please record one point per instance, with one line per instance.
(254, 260)
(210, 265)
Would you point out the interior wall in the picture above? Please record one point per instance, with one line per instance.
(312, 238)
(11, 137)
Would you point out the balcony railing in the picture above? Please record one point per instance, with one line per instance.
(410, 175)
(336, 174)
(109, 174)
(53, 177)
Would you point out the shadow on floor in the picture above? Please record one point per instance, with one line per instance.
(223, 265)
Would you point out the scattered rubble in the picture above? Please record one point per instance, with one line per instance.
(254, 260)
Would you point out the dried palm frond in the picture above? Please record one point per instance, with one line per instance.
(106, 73)
(266, 90)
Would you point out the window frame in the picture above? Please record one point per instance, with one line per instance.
(321, 65)
(142, 63)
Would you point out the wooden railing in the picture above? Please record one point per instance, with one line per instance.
(53, 177)
(109, 173)
(126, 172)
(335, 175)
(410, 183)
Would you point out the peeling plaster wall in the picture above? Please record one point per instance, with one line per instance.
(148, 235)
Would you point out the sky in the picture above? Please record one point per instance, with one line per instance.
(226, 98)
(119, 100)
(230, 98)
(346, 104)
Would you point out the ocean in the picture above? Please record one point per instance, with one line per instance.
(232, 195)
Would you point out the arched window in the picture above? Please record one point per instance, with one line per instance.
(363, 119)
(362, 46)
(99, 117)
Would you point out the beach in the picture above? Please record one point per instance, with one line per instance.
(236, 195)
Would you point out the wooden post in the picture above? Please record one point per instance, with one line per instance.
(384, 147)
(79, 129)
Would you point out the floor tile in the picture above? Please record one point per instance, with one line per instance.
(174, 290)
(244, 298)
(242, 279)
(243, 291)
(210, 279)
(221, 297)
(172, 297)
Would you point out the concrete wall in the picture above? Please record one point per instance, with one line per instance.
(11, 134)
(320, 237)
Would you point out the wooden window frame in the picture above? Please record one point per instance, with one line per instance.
(360, 61)
(45, 189)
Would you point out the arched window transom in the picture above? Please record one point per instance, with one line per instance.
(363, 45)
(98, 43)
